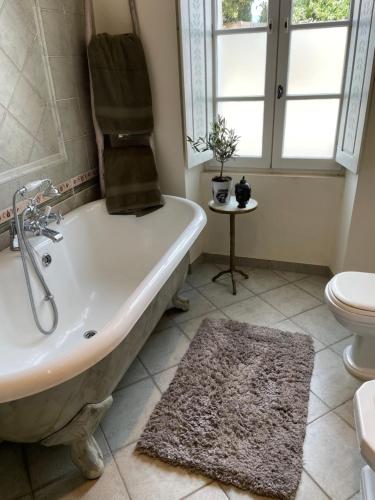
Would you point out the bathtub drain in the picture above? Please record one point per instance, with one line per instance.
(89, 334)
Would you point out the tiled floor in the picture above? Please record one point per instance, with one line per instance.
(290, 301)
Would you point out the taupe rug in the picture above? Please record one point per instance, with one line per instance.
(236, 409)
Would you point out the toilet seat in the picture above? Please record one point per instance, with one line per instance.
(355, 289)
(353, 294)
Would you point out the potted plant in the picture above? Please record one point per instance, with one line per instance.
(223, 143)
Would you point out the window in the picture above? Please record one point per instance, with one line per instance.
(279, 78)
(292, 77)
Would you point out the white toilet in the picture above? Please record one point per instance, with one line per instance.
(364, 411)
(351, 298)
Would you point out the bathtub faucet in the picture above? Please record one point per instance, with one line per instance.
(35, 220)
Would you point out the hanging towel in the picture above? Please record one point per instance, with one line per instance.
(131, 180)
(122, 95)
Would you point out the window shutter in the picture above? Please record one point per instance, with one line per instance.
(195, 26)
(358, 85)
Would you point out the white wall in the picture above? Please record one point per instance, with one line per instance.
(295, 221)
(358, 210)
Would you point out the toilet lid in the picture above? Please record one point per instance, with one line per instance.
(355, 289)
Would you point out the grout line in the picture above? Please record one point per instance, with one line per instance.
(316, 483)
(114, 459)
(185, 497)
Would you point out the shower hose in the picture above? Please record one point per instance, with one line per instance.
(26, 249)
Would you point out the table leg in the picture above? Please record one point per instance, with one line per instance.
(232, 250)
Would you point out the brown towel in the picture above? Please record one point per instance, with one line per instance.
(121, 87)
(131, 180)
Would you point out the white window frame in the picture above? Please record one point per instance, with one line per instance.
(278, 39)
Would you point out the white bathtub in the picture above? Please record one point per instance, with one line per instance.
(104, 274)
(113, 274)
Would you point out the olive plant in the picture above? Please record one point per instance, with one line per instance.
(221, 140)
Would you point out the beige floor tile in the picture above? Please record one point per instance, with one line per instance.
(316, 408)
(289, 326)
(330, 381)
(314, 285)
(210, 492)
(307, 490)
(290, 275)
(357, 496)
(261, 280)
(131, 409)
(165, 322)
(290, 300)
(346, 412)
(109, 486)
(191, 327)
(220, 293)
(150, 479)
(202, 274)
(321, 323)
(14, 480)
(48, 464)
(331, 456)
(135, 372)
(340, 347)
(164, 378)
(164, 349)
(254, 311)
(199, 305)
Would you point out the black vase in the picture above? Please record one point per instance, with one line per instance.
(243, 193)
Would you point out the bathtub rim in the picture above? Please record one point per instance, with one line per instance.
(39, 378)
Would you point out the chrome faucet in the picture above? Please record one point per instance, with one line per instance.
(37, 220)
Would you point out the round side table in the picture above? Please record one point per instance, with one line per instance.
(232, 210)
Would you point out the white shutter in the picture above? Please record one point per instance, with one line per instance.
(195, 26)
(358, 85)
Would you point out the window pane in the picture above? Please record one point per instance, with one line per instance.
(241, 61)
(310, 128)
(312, 11)
(317, 58)
(241, 13)
(247, 120)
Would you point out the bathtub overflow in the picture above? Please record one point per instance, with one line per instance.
(89, 334)
(46, 260)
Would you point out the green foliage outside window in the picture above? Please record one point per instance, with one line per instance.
(320, 10)
(235, 11)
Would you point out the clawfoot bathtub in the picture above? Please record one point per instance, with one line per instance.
(112, 278)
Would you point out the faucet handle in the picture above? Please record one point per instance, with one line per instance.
(59, 217)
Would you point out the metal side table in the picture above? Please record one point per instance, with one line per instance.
(232, 210)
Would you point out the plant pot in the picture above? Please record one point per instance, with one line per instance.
(221, 189)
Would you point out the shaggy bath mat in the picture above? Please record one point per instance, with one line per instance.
(236, 409)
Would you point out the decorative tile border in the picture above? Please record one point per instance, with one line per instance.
(7, 213)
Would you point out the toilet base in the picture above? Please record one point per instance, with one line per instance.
(368, 483)
(351, 356)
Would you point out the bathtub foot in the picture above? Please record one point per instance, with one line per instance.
(180, 302)
(78, 434)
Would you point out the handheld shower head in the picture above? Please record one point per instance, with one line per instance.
(49, 192)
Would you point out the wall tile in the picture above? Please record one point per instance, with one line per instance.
(70, 117)
(27, 106)
(32, 69)
(47, 132)
(15, 153)
(55, 33)
(17, 30)
(9, 75)
(77, 157)
(75, 6)
(75, 29)
(51, 4)
(63, 76)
